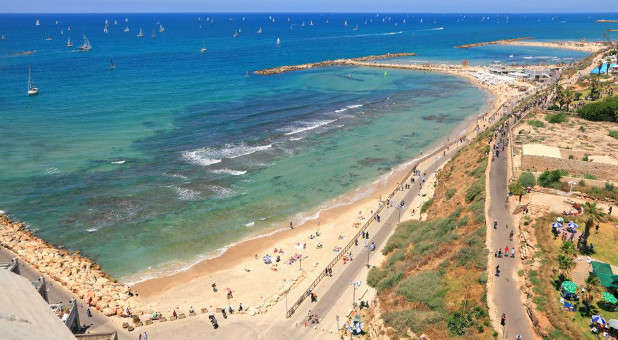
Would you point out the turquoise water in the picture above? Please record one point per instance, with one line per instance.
(175, 154)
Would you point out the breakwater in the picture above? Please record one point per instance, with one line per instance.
(494, 42)
(79, 275)
(344, 61)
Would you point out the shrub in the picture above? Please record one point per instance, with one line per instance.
(416, 320)
(527, 179)
(536, 123)
(614, 134)
(463, 221)
(425, 287)
(590, 176)
(609, 186)
(375, 276)
(585, 158)
(556, 118)
(604, 110)
(390, 281)
(477, 189)
(550, 178)
(426, 206)
(450, 193)
(582, 183)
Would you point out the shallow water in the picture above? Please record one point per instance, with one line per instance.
(175, 154)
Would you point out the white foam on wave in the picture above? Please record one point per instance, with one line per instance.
(119, 162)
(209, 156)
(250, 224)
(186, 194)
(221, 192)
(309, 126)
(91, 230)
(229, 172)
(51, 171)
(295, 138)
(349, 107)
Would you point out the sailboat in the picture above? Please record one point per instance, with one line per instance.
(355, 28)
(311, 23)
(278, 41)
(61, 32)
(259, 31)
(37, 23)
(3, 37)
(154, 35)
(161, 28)
(31, 89)
(48, 37)
(203, 49)
(68, 28)
(86, 45)
(105, 29)
(115, 22)
(69, 43)
(345, 23)
(126, 29)
(235, 35)
(140, 33)
(111, 64)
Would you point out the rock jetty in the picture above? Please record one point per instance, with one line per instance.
(495, 42)
(345, 61)
(79, 275)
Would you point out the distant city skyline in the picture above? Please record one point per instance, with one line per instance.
(341, 6)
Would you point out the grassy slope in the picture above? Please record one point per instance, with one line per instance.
(433, 280)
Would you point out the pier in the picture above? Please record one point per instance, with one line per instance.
(345, 61)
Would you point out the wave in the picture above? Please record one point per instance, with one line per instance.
(91, 230)
(185, 194)
(309, 126)
(221, 192)
(229, 172)
(210, 156)
(119, 162)
(293, 139)
(433, 29)
(250, 224)
(51, 171)
(349, 107)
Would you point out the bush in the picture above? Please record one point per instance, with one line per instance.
(526, 179)
(425, 287)
(613, 134)
(450, 193)
(375, 276)
(609, 186)
(463, 221)
(550, 179)
(426, 206)
(416, 320)
(477, 189)
(556, 118)
(536, 123)
(604, 110)
(390, 281)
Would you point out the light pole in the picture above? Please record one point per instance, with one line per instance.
(354, 286)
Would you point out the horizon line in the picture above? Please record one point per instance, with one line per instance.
(303, 12)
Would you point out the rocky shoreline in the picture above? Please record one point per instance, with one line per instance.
(495, 42)
(76, 273)
(345, 61)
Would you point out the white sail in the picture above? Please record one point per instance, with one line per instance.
(126, 29)
(161, 28)
(140, 33)
(69, 43)
(85, 45)
(37, 23)
(278, 41)
(259, 31)
(31, 89)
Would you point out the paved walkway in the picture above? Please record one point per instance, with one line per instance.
(506, 294)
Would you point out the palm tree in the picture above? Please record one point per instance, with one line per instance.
(592, 287)
(593, 214)
(600, 67)
(568, 97)
(565, 263)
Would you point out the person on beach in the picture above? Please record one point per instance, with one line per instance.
(291, 225)
(214, 287)
(513, 252)
(174, 314)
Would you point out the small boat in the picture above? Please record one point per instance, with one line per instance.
(69, 43)
(68, 28)
(259, 31)
(126, 29)
(126, 19)
(37, 23)
(61, 32)
(203, 49)
(3, 37)
(161, 28)
(48, 37)
(56, 22)
(86, 45)
(511, 56)
(31, 89)
(111, 64)
(355, 28)
(140, 33)
(278, 41)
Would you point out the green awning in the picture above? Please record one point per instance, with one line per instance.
(604, 272)
(608, 297)
(569, 286)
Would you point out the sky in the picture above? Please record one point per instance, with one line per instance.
(393, 6)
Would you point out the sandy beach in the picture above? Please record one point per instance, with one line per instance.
(259, 286)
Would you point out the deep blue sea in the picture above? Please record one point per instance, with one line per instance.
(176, 153)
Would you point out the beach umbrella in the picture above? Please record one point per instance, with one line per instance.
(572, 224)
(598, 320)
(609, 297)
(569, 286)
(559, 219)
(613, 323)
(556, 225)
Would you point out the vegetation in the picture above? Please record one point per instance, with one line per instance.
(613, 133)
(556, 118)
(433, 280)
(536, 123)
(527, 179)
(604, 110)
(517, 189)
(426, 206)
(550, 179)
(593, 215)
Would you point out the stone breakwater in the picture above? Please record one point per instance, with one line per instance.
(494, 42)
(345, 61)
(77, 274)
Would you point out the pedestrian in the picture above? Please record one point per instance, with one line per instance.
(291, 225)
(145, 336)
(513, 252)
(503, 320)
(140, 336)
(610, 209)
(596, 228)
(214, 287)
(506, 250)
(499, 252)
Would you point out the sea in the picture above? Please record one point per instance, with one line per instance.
(175, 154)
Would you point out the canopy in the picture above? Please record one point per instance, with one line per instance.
(599, 320)
(604, 272)
(613, 323)
(572, 225)
(608, 297)
(559, 219)
(569, 286)
(556, 225)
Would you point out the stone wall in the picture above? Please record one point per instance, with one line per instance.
(540, 163)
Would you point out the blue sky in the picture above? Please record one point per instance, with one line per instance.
(408, 6)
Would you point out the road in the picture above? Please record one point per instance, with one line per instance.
(506, 294)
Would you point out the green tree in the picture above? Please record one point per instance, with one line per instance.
(517, 189)
(593, 287)
(593, 214)
(565, 263)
